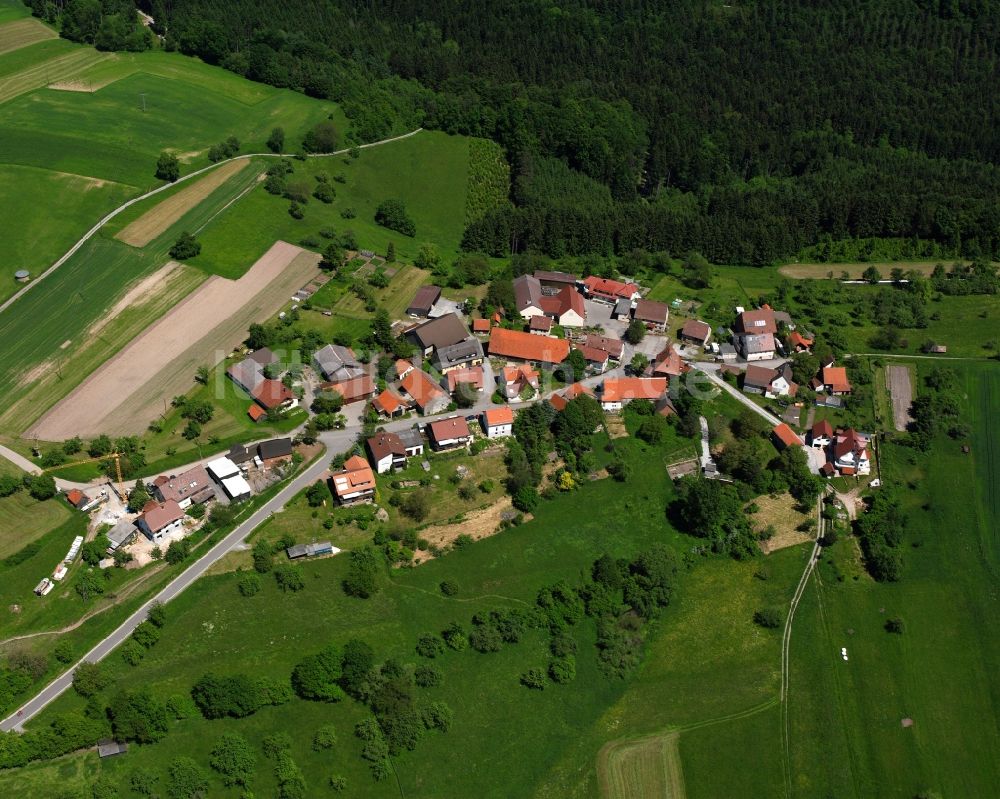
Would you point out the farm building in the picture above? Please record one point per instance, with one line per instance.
(555, 280)
(528, 296)
(617, 392)
(614, 347)
(695, 331)
(437, 333)
(566, 308)
(519, 346)
(652, 314)
(312, 550)
(465, 353)
(540, 325)
(785, 437)
(597, 359)
(423, 301)
(337, 363)
(610, 291)
(275, 451)
(354, 389)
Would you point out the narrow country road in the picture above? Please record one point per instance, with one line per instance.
(108, 217)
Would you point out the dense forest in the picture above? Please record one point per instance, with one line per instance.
(745, 130)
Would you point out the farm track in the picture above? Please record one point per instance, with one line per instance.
(159, 189)
(51, 71)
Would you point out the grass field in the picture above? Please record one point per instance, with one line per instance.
(644, 767)
(23, 519)
(394, 298)
(855, 270)
(405, 169)
(23, 32)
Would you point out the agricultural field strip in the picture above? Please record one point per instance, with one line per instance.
(159, 218)
(54, 69)
(199, 319)
(22, 33)
(111, 215)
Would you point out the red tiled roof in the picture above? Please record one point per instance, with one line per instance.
(610, 288)
(836, 378)
(616, 389)
(356, 476)
(157, 515)
(568, 299)
(786, 436)
(498, 416)
(357, 388)
(576, 390)
(558, 401)
(592, 354)
(480, 325)
(612, 346)
(511, 374)
(272, 394)
(822, 429)
(471, 374)
(651, 311)
(256, 413)
(540, 323)
(447, 429)
(798, 340)
(754, 322)
(388, 402)
(382, 444)
(669, 363)
(526, 347)
(74, 496)
(421, 389)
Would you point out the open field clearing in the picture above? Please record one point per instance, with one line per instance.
(12, 9)
(128, 391)
(855, 270)
(781, 513)
(22, 33)
(34, 238)
(159, 218)
(403, 169)
(899, 378)
(647, 767)
(23, 519)
(394, 298)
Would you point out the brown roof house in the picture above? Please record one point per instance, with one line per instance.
(652, 314)
(695, 332)
(191, 487)
(388, 451)
(441, 332)
(159, 520)
(355, 483)
(449, 433)
(427, 395)
(566, 308)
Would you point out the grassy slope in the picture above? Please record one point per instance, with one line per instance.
(428, 171)
(846, 730)
(23, 519)
(106, 135)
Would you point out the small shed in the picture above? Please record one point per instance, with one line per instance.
(22, 276)
(106, 747)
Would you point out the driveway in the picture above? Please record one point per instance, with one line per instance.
(711, 370)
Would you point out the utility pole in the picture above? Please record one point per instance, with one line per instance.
(142, 96)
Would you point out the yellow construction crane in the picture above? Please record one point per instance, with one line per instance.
(116, 456)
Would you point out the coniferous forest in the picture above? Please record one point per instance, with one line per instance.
(744, 130)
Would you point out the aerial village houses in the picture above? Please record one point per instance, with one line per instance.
(81, 501)
(463, 354)
(518, 346)
(695, 331)
(614, 347)
(337, 363)
(821, 435)
(228, 475)
(754, 334)
(273, 395)
(835, 380)
(561, 399)
(355, 483)
(566, 308)
(438, 333)
(159, 520)
(797, 342)
(668, 364)
(423, 392)
(617, 392)
(528, 296)
(191, 487)
(354, 389)
(540, 325)
(771, 383)
(555, 280)
(597, 359)
(609, 291)
(850, 453)
(471, 378)
(450, 433)
(389, 404)
(423, 301)
(274, 452)
(652, 314)
(516, 379)
(390, 451)
(498, 422)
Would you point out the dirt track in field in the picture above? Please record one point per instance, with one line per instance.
(162, 215)
(901, 390)
(131, 389)
(23, 32)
